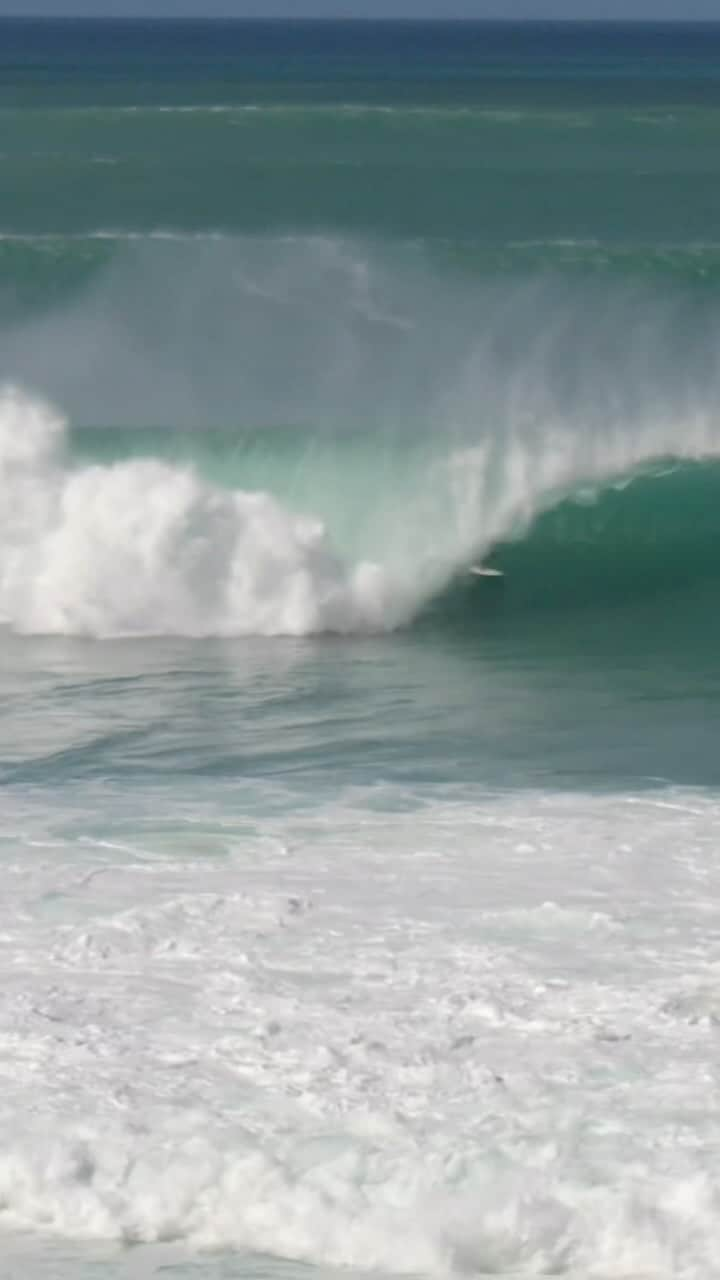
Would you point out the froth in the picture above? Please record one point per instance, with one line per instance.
(462, 1040)
(144, 547)
(344, 1200)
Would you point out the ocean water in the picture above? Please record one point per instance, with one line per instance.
(360, 912)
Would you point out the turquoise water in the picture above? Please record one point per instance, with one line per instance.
(361, 910)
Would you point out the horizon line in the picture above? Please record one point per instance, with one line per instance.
(378, 19)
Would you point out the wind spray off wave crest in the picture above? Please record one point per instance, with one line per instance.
(144, 547)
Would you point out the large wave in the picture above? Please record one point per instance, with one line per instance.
(386, 423)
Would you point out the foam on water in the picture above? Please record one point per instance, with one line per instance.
(464, 1037)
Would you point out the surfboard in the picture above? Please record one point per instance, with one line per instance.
(482, 571)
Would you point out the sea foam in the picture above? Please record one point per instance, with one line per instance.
(144, 547)
(466, 1043)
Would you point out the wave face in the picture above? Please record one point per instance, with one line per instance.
(640, 535)
(297, 435)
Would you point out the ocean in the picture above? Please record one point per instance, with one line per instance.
(360, 909)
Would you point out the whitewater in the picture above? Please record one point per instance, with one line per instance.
(296, 1037)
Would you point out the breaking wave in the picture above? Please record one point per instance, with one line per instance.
(148, 545)
(411, 420)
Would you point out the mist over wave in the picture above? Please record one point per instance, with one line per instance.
(331, 333)
(404, 419)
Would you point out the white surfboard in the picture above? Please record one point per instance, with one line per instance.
(482, 571)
